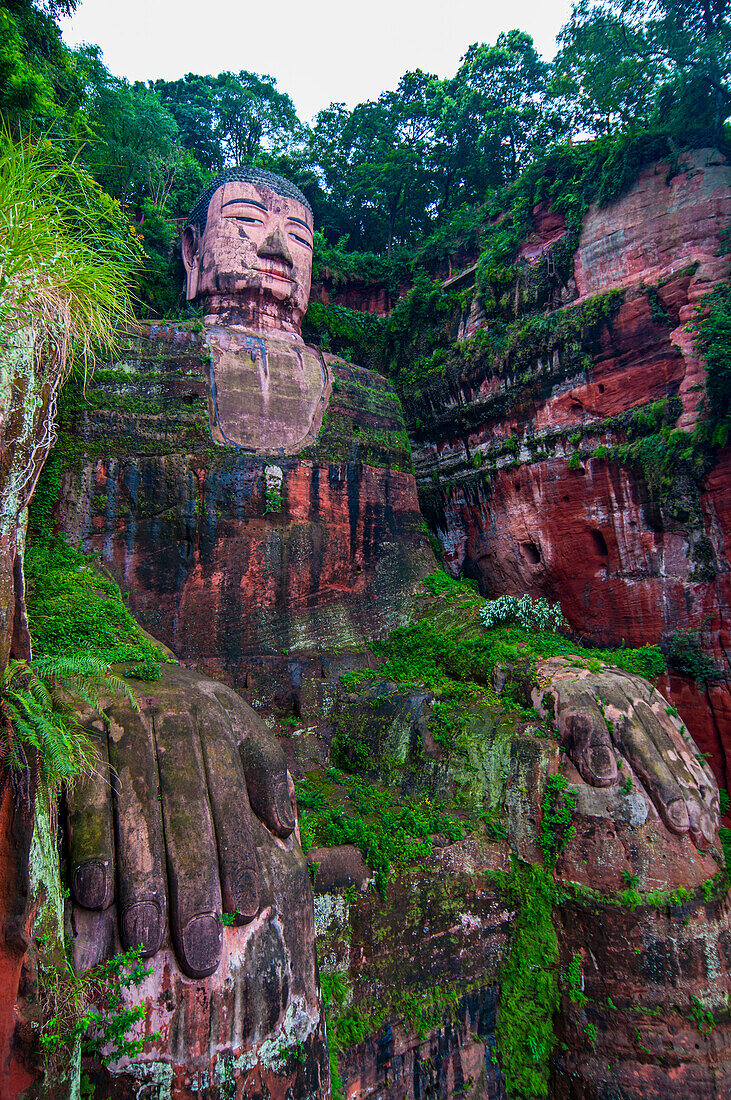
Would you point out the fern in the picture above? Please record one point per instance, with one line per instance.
(39, 733)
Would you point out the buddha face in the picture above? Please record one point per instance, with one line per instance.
(253, 261)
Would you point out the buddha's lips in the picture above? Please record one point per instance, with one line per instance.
(277, 271)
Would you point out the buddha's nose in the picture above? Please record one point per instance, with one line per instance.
(275, 248)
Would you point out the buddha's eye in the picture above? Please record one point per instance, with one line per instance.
(244, 218)
(301, 240)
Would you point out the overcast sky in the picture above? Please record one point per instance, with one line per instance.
(319, 51)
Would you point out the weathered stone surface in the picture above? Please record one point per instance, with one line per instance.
(266, 396)
(644, 982)
(366, 298)
(341, 866)
(425, 964)
(440, 932)
(669, 221)
(16, 920)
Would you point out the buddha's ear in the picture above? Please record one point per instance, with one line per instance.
(189, 248)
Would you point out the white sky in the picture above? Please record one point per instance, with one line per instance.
(319, 51)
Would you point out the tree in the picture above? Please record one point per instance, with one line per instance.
(496, 110)
(191, 103)
(605, 73)
(252, 115)
(40, 87)
(375, 161)
(131, 144)
(231, 118)
(627, 64)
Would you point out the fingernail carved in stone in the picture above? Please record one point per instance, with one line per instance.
(678, 816)
(93, 884)
(602, 765)
(708, 828)
(142, 925)
(247, 896)
(200, 945)
(283, 806)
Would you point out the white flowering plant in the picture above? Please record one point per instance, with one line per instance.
(529, 613)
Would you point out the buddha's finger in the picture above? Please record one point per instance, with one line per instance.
(655, 773)
(668, 749)
(264, 763)
(586, 736)
(194, 890)
(91, 845)
(141, 900)
(690, 778)
(92, 937)
(267, 780)
(231, 812)
(692, 757)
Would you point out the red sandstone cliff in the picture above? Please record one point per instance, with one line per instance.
(506, 460)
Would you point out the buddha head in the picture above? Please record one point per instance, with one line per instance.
(247, 249)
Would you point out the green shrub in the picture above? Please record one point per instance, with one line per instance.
(389, 831)
(713, 336)
(684, 652)
(574, 982)
(439, 582)
(725, 836)
(74, 609)
(453, 654)
(556, 825)
(529, 988)
(89, 1008)
(67, 255)
(355, 336)
(38, 730)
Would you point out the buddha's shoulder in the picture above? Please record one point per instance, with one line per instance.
(363, 421)
(351, 376)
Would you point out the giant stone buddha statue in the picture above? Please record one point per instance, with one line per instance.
(266, 558)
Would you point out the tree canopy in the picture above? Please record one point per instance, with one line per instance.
(409, 170)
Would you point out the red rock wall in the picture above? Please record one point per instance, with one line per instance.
(626, 562)
(16, 914)
(665, 223)
(363, 297)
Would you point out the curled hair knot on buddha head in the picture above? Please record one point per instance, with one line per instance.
(247, 173)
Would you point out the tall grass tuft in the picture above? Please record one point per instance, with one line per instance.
(67, 254)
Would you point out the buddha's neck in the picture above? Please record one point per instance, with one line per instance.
(261, 314)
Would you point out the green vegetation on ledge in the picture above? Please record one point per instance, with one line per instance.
(74, 609)
(389, 830)
(449, 646)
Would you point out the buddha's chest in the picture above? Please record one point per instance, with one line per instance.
(267, 394)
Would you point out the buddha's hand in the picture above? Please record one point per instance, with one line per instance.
(617, 729)
(167, 827)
